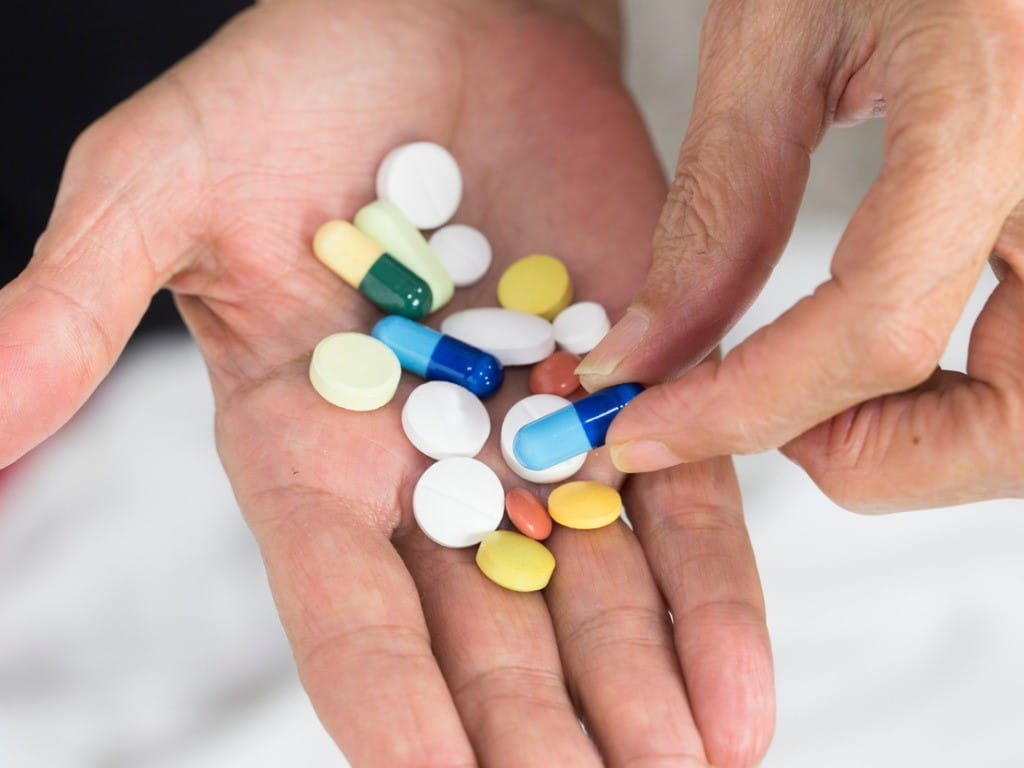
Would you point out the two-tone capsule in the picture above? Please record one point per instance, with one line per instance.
(433, 355)
(364, 265)
(572, 430)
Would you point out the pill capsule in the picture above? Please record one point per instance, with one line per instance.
(432, 355)
(364, 265)
(572, 430)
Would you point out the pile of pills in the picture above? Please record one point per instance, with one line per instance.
(459, 501)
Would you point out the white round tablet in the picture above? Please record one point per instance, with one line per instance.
(519, 415)
(423, 180)
(515, 338)
(457, 501)
(580, 327)
(464, 252)
(443, 420)
(354, 371)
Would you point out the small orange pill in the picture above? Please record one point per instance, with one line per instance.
(555, 375)
(528, 514)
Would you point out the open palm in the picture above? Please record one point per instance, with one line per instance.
(212, 181)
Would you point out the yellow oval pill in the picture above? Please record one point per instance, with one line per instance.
(514, 561)
(537, 284)
(584, 504)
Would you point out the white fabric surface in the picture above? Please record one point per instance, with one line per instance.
(136, 628)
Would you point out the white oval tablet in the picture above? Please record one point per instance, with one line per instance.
(515, 338)
(463, 251)
(519, 415)
(580, 327)
(354, 371)
(423, 180)
(457, 501)
(444, 420)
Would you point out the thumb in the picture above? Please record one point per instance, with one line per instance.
(107, 248)
(759, 110)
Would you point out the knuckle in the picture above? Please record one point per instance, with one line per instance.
(689, 221)
(900, 352)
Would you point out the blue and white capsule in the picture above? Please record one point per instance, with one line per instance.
(435, 356)
(572, 430)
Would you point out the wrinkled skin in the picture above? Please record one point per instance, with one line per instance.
(212, 181)
(846, 380)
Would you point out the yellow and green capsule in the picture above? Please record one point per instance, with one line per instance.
(364, 265)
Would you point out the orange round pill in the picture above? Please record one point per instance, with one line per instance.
(528, 514)
(555, 375)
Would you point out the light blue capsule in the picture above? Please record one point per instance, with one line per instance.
(572, 430)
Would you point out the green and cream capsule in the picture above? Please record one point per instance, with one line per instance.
(364, 265)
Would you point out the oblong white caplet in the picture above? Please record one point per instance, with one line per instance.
(457, 501)
(465, 252)
(423, 180)
(354, 371)
(519, 415)
(444, 420)
(580, 327)
(515, 338)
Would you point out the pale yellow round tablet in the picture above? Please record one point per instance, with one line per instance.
(354, 371)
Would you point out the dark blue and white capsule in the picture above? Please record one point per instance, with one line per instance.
(435, 356)
(572, 430)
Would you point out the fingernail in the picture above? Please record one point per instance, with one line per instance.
(642, 456)
(627, 334)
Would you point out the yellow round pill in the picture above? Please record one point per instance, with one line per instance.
(514, 561)
(584, 504)
(538, 285)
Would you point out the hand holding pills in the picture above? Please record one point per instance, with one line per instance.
(846, 381)
(213, 182)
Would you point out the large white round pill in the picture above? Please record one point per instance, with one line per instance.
(423, 180)
(464, 252)
(443, 420)
(457, 501)
(515, 338)
(580, 327)
(354, 371)
(519, 415)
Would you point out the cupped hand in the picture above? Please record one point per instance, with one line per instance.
(212, 181)
(846, 380)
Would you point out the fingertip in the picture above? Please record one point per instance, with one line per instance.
(609, 360)
(642, 456)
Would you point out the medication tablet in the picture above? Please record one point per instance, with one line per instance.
(525, 411)
(432, 355)
(383, 223)
(515, 562)
(528, 514)
(585, 504)
(573, 430)
(443, 420)
(555, 375)
(537, 284)
(423, 180)
(457, 501)
(515, 338)
(580, 327)
(354, 371)
(362, 263)
(463, 251)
